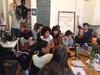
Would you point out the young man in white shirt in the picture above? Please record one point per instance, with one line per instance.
(43, 57)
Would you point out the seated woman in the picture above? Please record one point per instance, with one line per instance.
(56, 36)
(45, 35)
(80, 37)
(58, 65)
(43, 57)
(67, 39)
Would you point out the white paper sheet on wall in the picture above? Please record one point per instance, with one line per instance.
(66, 21)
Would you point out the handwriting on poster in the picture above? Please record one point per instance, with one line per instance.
(66, 21)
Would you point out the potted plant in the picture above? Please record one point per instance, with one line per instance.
(94, 52)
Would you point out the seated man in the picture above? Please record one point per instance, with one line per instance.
(26, 41)
(43, 57)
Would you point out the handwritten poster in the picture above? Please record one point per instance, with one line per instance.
(66, 20)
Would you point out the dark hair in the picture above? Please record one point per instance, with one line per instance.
(57, 26)
(39, 25)
(58, 65)
(79, 31)
(46, 28)
(52, 32)
(41, 44)
(22, 1)
(36, 26)
(68, 32)
(85, 24)
(60, 55)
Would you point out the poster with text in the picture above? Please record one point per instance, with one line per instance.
(66, 20)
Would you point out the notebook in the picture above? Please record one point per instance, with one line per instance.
(78, 70)
(77, 63)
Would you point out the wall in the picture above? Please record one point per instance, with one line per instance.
(86, 11)
(96, 19)
(34, 17)
(3, 10)
(60, 5)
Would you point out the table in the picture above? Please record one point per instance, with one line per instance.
(83, 59)
(8, 56)
(9, 44)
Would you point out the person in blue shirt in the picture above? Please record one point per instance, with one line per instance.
(87, 32)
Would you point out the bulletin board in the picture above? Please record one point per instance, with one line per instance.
(66, 20)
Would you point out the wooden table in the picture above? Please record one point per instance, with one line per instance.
(9, 44)
(83, 59)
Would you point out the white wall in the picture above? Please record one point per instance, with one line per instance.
(86, 10)
(34, 18)
(60, 5)
(96, 19)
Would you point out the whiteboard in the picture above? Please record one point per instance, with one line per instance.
(66, 20)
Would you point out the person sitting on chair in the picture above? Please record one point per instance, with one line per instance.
(80, 37)
(58, 64)
(43, 57)
(25, 42)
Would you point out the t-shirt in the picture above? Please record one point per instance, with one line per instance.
(15, 22)
(26, 35)
(88, 35)
(41, 61)
(22, 10)
(79, 40)
(68, 42)
(49, 39)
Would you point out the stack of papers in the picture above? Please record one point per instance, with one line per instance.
(78, 63)
(77, 70)
(97, 67)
